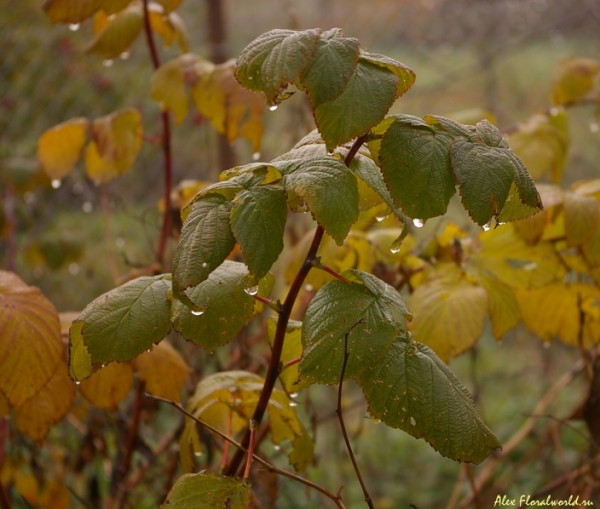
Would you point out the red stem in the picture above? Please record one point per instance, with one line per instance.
(334, 273)
(282, 323)
(166, 145)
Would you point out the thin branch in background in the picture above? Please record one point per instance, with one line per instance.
(336, 498)
(225, 457)
(166, 146)
(11, 225)
(282, 323)
(122, 469)
(474, 488)
(457, 487)
(341, 419)
(250, 450)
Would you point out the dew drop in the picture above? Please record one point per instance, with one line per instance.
(125, 55)
(73, 27)
(198, 454)
(418, 222)
(204, 265)
(78, 382)
(294, 395)
(197, 313)
(293, 403)
(379, 219)
(412, 421)
(253, 290)
(594, 127)
(256, 156)
(56, 183)
(107, 63)
(273, 107)
(486, 227)
(276, 447)
(395, 249)
(87, 207)
(309, 287)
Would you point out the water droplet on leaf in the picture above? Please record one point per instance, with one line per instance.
(276, 447)
(56, 183)
(74, 27)
(418, 222)
(253, 290)
(256, 156)
(78, 382)
(294, 395)
(309, 287)
(125, 55)
(293, 403)
(197, 313)
(379, 219)
(395, 249)
(486, 227)
(273, 107)
(107, 63)
(204, 265)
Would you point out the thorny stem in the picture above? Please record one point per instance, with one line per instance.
(343, 425)
(166, 146)
(335, 498)
(282, 323)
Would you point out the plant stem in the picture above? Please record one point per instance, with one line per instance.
(333, 272)
(282, 323)
(343, 425)
(336, 498)
(251, 447)
(166, 146)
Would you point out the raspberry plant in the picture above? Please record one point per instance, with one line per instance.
(355, 326)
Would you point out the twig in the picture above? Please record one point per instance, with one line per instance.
(457, 487)
(166, 146)
(341, 419)
(124, 466)
(474, 488)
(225, 457)
(331, 271)
(335, 498)
(250, 450)
(282, 323)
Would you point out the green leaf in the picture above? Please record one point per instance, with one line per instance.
(413, 390)
(364, 102)
(331, 66)
(206, 240)
(274, 60)
(416, 166)
(208, 491)
(486, 170)
(329, 189)
(124, 322)
(406, 76)
(333, 311)
(221, 307)
(258, 224)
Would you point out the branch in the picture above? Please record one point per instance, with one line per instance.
(166, 145)
(282, 323)
(335, 498)
(329, 270)
(341, 419)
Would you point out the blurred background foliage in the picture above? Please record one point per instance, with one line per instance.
(472, 58)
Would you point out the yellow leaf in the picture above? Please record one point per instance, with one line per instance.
(168, 85)
(80, 360)
(70, 11)
(99, 22)
(169, 5)
(107, 387)
(233, 110)
(532, 228)
(573, 79)
(449, 312)
(27, 486)
(504, 255)
(60, 146)
(582, 215)
(190, 446)
(55, 495)
(113, 6)
(37, 415)
(116, 141)
(116, 37)
(169, 26)
(503, 306)
(554, 312)
(30, 341)
(542, 144)
(163, 370)
(3, 405)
